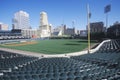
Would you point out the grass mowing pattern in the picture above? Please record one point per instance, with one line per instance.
(53, 46)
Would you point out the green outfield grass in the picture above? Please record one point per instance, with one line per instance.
(53, 46)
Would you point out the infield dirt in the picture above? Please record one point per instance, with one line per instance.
(21, 44)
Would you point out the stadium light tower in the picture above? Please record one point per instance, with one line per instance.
(106, 10)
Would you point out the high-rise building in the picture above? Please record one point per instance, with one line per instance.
(45, 28)
(43, 19)
(21, 20)
(3, 26)
(96, 27)
(114, 30)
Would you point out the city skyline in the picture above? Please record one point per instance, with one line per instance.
(60, 11)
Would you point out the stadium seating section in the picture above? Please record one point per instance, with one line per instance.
(103, 64)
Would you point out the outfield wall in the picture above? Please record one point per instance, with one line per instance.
(91, 51)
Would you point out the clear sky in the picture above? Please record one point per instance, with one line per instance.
(60, 11)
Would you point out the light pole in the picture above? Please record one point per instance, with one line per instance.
(88, 26)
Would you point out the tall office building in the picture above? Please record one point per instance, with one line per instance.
(21, 20)
(45, 28)
(96, 27)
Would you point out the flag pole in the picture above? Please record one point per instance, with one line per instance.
(88, 23)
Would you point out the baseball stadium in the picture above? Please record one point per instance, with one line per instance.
(80, 41)
(64, 59)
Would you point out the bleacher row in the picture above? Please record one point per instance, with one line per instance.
(111, 47)
(103, 64)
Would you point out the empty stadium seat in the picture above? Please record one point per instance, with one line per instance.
(103, 64)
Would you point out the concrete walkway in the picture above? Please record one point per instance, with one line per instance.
(41, 54)
(22, 52)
